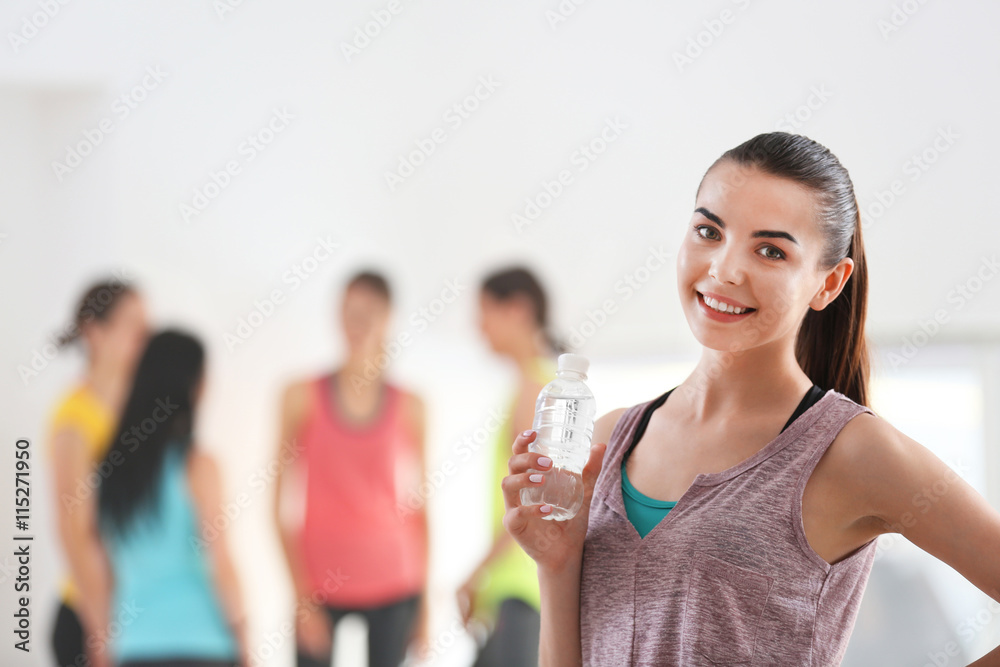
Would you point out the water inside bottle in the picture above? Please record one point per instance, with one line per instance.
(565, 426)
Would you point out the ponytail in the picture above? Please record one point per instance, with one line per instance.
(97, 303)
(832, 347)
(556, 344)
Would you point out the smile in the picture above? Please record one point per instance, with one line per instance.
(721, 307)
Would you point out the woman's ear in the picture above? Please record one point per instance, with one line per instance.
(833, 284)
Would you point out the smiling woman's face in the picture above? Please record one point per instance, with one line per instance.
(753, 241)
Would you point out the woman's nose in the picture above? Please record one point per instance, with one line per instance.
(726, 266)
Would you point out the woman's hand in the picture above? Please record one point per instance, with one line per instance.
(420, 635)
(466, 598)
(242, 642)
(552, 544)
(313, 630)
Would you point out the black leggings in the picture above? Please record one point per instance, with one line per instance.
(67, 638)
(514, 640)
(389, 629)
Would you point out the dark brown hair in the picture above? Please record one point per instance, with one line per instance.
(373, 281)
(97, 303)
(519, 281)
(831, 346)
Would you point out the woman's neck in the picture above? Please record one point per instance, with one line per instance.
(108, 382)
(359, 374)
(757, 378)
(526, 352)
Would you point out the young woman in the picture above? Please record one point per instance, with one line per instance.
(502, 592)
(176, 600)
(358, 441)
(110, 323)
(733, 519)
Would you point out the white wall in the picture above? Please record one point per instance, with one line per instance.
(884, 98)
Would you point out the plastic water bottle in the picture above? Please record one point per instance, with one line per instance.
(564, 422)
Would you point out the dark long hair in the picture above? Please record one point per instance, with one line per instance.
(831, 346)
(97, 303)
(519, 281)
(158, 418)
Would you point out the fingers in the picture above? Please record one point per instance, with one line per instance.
(515, 519)
(522, 440)
(519, 463)
(512, 484)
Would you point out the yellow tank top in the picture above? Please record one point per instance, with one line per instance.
(513, 574)
(82, 411)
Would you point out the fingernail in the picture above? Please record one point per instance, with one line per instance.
(535, 478)
(527, 433)
(545, 462)
(545, 509)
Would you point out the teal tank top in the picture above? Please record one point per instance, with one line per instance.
(645, 512)
(164, 599)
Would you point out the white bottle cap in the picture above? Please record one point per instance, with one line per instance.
(576, 363)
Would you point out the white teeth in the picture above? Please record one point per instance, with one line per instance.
(727, 308)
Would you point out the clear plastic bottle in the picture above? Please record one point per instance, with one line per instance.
(564, 421)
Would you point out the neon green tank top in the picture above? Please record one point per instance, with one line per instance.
(513, 574)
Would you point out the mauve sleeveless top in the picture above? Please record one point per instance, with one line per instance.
(727, 576)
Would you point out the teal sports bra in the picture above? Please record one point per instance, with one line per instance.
(645, 512)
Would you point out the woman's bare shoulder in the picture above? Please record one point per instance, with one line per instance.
(605, 425)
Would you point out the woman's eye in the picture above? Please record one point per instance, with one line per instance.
(710, 230)
(778, 255)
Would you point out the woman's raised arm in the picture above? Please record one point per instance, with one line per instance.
(555, 546)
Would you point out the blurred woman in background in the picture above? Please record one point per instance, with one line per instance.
(176, 599)
(358, 442)
(502, 592)
(110, 323)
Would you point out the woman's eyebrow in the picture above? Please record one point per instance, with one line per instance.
(760, 233)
